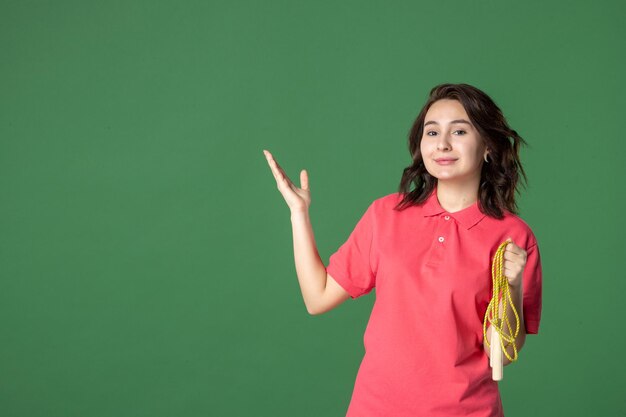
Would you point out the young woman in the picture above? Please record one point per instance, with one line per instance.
(428, 252)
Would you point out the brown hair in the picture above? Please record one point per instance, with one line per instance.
(498, 178)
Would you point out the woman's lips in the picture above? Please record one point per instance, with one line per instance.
(445, 161)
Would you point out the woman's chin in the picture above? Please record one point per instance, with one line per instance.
(442, 176)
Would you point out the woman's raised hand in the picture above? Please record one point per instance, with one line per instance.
(298, 199)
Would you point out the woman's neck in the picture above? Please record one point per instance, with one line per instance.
(456, 197)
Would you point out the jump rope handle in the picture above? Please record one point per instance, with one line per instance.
(495, 356)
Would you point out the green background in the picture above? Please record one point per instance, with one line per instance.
(146, 255)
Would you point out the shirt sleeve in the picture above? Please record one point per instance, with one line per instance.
(351, 264)
(532, 282)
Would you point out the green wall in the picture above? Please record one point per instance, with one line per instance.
(146, 255)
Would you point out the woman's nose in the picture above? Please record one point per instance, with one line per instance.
(443, 143)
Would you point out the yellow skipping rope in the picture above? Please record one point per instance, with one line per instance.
(493, 315)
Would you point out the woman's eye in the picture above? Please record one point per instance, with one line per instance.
(462, 132)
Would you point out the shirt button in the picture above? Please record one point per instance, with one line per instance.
(441, 238)
(447, 217)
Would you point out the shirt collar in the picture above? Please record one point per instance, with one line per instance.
(468, 217)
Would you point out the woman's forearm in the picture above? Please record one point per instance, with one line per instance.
(309, 266)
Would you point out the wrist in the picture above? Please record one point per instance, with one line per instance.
(298, 214)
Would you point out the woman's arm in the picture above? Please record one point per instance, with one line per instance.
(309, 266)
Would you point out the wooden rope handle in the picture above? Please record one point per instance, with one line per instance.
(495, 356)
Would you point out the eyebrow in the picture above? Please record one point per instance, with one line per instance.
(453, 121)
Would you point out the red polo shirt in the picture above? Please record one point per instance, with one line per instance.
(432, 273)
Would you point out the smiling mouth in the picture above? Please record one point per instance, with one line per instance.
(445, 161)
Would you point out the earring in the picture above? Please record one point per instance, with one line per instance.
(486, 158)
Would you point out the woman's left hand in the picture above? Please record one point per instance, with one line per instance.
(514, 262)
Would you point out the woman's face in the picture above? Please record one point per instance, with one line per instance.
(451, 147)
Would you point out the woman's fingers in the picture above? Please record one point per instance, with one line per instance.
(279, 173)
(269, 162)
(276, 168)
(512, 267)
(515, 253)
(296, 198)
(272, 164)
